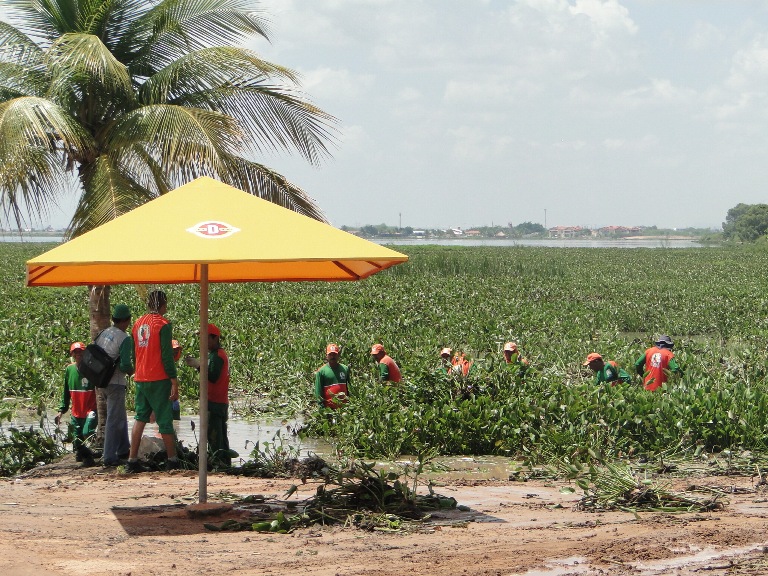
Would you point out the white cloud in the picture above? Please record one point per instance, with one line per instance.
(636, 145)
(704, 36)
(337, 84)
(409, 95)
(606, 16)
(580, 99)
(750, 65)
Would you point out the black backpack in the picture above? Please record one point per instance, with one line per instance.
(97, 366)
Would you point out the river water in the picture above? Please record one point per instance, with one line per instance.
(243, 434)
(543, 242)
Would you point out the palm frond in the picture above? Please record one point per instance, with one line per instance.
(17, 80)
(17, 47)
(274, 117)
(93, 16)
(123, 17)
(107, 194)
(31, 181)
(267, 184)
(37, 123)
(45, 19)
(83, 59)
(147, 170)
(175, 27)
(188, 140)
(207, 69)
(239, 83)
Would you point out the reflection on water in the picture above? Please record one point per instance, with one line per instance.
(240, 432)
(252, 431)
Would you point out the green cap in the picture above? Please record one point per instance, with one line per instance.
(121, 312)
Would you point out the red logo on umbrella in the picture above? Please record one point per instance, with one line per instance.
(213, 229)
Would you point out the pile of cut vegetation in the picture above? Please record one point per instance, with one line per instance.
(618, 487)
(359, 495)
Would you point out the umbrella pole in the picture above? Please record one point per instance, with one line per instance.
(202, 449)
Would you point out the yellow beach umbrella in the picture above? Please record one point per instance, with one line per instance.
(207, 231)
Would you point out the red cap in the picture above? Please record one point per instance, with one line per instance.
(213, 329)
(376, 348)
(76, 346)
(591, 358)
(332, 349)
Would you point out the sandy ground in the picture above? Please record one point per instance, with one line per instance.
(66, 520)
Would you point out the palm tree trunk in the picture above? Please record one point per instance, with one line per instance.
(98, 309)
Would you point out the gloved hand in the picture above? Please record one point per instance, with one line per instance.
(192, 361)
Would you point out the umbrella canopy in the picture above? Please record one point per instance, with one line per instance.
(207, 231)
(240, 237)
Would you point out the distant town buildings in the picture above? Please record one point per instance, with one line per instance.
(605, 231)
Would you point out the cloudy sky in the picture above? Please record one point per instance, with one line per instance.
(472, 112)
(479, 112)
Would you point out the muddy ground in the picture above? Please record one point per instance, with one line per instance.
(87, 522)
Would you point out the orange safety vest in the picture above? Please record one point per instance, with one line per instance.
(146, 341)
(394, 369)
(461, 363)
(219, 391)
(329, 395)
(656, 362)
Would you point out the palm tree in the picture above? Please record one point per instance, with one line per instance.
(128, 99)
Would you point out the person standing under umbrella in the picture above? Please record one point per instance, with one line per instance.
(218, 398)
(156, 383)
(81, 394)
(116, 342)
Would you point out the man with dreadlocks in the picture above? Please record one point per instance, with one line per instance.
(155, 377)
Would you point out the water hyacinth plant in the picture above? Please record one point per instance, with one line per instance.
(558, 304)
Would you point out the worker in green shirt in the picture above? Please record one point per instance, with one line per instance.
(606, 371)
(513, 358)
(81, 395)
(332, 380)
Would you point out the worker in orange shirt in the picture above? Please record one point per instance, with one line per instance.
(457, 363)
(389, 371)
(657, 363)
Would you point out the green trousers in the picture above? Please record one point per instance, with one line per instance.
(218, 442)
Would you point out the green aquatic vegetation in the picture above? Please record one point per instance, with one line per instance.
(558, 304)
(22, 449)
(276, 458)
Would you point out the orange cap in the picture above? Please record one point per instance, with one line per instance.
(445, 352)
(76, 346)
(510, 347)
(591, 358)
(332, 349)
(376, 348)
